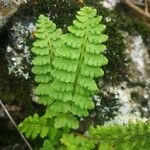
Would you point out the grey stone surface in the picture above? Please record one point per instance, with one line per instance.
(134, 93)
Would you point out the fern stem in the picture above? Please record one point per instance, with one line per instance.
(50, 54)
(80, 62)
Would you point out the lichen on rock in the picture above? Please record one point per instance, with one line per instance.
(18, 51)
(133, 93)
(110, 4)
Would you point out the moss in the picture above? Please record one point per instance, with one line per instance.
(132, 84)
(61, 12)
(107, 110)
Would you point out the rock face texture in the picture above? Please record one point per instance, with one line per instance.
(7, 9)
(133, 93)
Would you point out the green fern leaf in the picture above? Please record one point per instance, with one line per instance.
(47, 145)
(34, 126)
(45, 100)
(76, 63)
(77, 142)
(47, 37)
(65, 107)
(43, 78)
(66, 120)
(41, 69)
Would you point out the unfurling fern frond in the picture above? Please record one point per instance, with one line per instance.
(76, 63)
(47, 37)
(134, 136)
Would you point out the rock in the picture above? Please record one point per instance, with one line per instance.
(140, 59)
(18, 50)
(110, 4)
(133, 93)
(7, 9)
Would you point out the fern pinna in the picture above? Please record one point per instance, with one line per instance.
(65, 67)
(77, 62)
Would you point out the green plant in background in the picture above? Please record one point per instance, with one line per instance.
(65, 67)
(134, 136)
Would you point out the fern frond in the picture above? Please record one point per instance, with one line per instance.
(45, 100)
(47, 37)
(41, 69)
(95, 48)
(43, 78)
(67, 52)
(76, 63)
(81, 100)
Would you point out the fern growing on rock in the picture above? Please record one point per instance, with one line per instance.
(65, 67)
